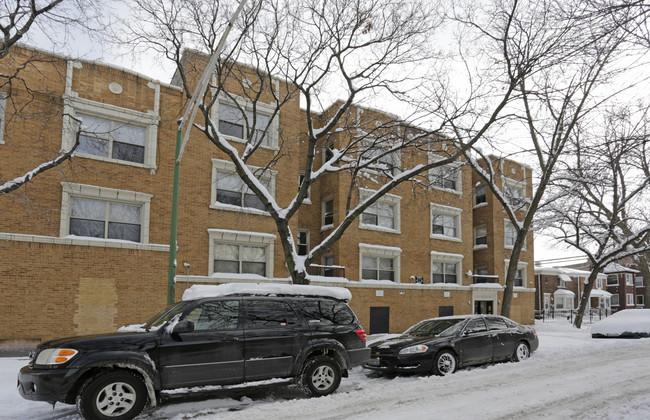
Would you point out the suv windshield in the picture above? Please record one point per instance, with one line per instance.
(165, 315)
(434, 327)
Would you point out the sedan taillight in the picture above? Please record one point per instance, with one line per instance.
(362, 334)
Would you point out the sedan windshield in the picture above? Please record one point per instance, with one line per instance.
(165, 315)
(434, 327)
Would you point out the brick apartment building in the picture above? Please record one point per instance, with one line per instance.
(626, 285)
(558, 289)
(85, 246)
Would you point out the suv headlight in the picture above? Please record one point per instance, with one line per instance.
(55, 356)
(414, 349)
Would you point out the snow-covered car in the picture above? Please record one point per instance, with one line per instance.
(628, 323)
(217, 335)
(442, 345)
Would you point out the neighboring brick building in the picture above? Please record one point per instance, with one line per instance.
(85, 245)
(626, 286)
(558, 289)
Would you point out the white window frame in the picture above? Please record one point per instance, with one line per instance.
(476, 237)
(219, 165)
(629, 279)
(456, 166)
(599, 283)
(446, 211)
(629, 297)
(247, 105)
(380, 251)
(322, 214)
(615, 299)
(521, 266)
(446, 258)
(389, 199)
(112, 195)
(507, 225)
(308, 240)
(3, 115)
(638, 281)
(378, 167)
(148, 120)
(236, 237)
(514, 184)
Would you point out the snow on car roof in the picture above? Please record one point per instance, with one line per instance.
(228, 289)
(625, 321)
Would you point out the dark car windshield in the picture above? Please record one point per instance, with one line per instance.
(165, 315)
(434, 327)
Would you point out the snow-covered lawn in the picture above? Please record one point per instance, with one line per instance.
(570, 376)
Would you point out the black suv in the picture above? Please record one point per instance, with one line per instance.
(227, 339)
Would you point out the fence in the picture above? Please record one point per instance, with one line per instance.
(590, 315)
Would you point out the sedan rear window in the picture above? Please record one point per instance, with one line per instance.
(496, 323)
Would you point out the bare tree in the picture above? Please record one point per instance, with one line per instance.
(562, 60)
(296, 51)
(601, 208)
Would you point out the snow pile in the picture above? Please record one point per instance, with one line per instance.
(202, 291)
(626, 322)
(131, 328)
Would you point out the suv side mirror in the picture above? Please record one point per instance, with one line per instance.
(184, 326)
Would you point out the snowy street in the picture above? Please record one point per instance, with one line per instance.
(570, 376)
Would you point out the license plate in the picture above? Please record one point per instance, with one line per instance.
(374, 362)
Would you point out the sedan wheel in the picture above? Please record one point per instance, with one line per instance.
(522, 352)
(444, 363)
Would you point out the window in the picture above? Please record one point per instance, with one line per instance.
(480, 194)
(379, 262)
(328, 266)
(614, 300)
(303, 242)
(444, 272)
(240, 259)
(639, 281)
(629, 279)
(386, 162)
(307, 200)
(612, 279)
(218, 315)
(3, 111)
(514, 192)
(480, 272)
(325, 311)
(241, 122)
(630, 299)
(111, 133)
(383, 215)
(378, 268)
(561, 283)
(519, 278)
(104, 213)
(328, 213)
(520, 274)
(445, 222)
(639, 300)
(240, 252)
(496, 323)
(480, 235)
(114, 139)
(599, 283)
(475, 326)
(510, 235)
(231, 193)
(269, 314)
(445, 177)
(563, 302)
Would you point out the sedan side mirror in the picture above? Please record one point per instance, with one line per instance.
(184, 326)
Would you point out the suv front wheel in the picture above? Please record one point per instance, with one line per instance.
(320, 376)
(116, 395)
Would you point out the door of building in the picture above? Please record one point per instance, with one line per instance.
(379, 319)
(483, 307)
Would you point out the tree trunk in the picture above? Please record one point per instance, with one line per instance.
(584, 298)
(512, 271)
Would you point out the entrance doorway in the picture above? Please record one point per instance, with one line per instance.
(484, 307)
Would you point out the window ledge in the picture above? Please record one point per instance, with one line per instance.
(379, 229)
(272, 148)
(111, 160)
(83, 241)
(326, 227)
(445, 238)
(479, 247)
(479, 205)
(238, 209)
(449, 190)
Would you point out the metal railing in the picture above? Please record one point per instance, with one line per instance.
(590, 315)
(326, 270)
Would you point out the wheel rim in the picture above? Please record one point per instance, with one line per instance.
(522, 351)
(323, 377)
(446, 363)
(115, 399)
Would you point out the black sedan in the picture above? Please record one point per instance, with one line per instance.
(441, 345)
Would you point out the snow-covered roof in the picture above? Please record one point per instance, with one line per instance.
(564, 292)
(599, 293)
(228, 289)
(618, 268)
